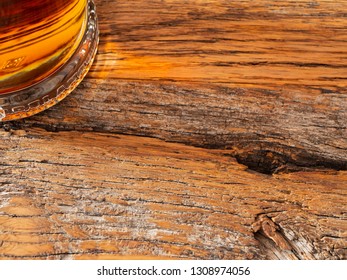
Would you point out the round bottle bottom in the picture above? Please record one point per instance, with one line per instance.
(34, 99)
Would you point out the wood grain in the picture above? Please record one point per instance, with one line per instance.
(265, 79)
(204, 130)
(260, 43)
(266, 131)
(91, 195)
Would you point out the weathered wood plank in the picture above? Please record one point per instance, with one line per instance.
(260, 83)
(268, 131)
(267, 79)
(92, 195)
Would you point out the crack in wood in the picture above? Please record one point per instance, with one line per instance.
(266, 161)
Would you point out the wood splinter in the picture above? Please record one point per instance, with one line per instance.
(271, 230)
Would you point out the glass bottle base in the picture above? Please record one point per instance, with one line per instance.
(34, 99)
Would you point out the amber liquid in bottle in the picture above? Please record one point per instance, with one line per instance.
(36, 38)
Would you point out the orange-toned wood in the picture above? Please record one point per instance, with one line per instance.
(235, 113)
(92, 195)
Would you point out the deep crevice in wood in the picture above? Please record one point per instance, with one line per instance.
(270, 162)
(266, 161)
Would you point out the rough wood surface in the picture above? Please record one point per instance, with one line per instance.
(91, 195)
(251, 95)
